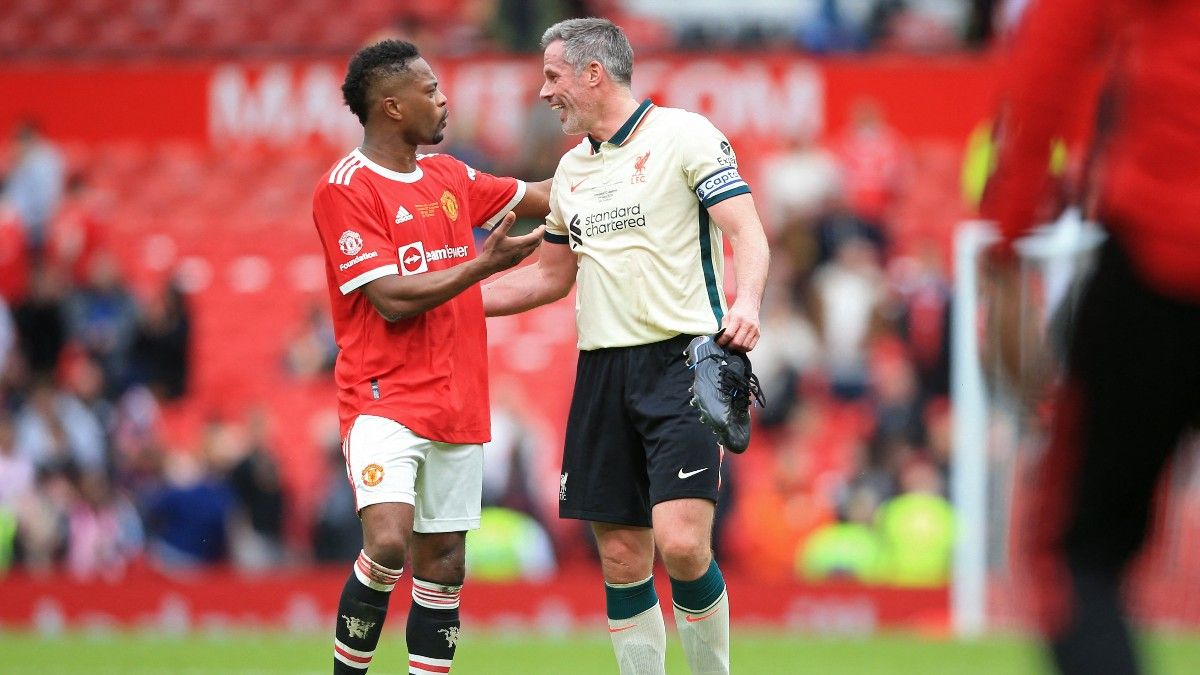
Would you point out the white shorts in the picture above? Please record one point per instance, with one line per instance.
(386, 462)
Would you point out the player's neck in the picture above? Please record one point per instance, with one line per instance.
(612, 117)
(391, 154)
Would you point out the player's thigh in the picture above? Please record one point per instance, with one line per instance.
(683, 524)
(626, 552)
(604, 464)
(382, 461)
(387, 530)
(449, 489)
(683, 459)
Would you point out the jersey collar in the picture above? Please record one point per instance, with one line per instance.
(410, 177)
(631, 125)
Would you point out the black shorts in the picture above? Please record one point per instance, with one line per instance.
(632, 439)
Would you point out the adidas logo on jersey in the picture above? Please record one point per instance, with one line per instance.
(402, 215)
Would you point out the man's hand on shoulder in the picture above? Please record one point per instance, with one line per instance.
(501, 251)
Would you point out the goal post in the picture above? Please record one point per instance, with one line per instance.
(984, 460)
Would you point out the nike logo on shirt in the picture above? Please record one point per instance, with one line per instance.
(581, 182)
(689, 474)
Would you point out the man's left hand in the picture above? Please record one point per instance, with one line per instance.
(740, 329)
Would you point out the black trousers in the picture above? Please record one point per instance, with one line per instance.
(1131, 391)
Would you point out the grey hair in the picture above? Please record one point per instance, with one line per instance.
(592, 39)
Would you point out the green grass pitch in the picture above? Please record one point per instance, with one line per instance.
(772, 653)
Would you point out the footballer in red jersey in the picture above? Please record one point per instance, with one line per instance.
(403, 271)
(427, 371)
(1132, 383)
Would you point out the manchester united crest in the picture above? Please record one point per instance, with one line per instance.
(450, 205)
(372, 474)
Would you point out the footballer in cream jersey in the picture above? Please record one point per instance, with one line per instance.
(651, 261)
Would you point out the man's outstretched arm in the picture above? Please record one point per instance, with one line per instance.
(547, 280)
(398, 297)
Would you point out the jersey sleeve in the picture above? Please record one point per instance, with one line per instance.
(709, 163)
(491, 197)
(556, 227)
(354, 236)
(1055, 48)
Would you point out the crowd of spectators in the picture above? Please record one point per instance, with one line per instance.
(855, 361)
(189, 29)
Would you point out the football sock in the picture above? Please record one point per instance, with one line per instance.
(636, 627)
(433, 625)
(702, 616)
(361, 611)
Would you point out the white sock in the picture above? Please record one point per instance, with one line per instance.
(705, 637)
(640, 643)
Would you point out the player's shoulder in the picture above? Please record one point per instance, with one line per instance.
(342, 175)
(679, 120)
(445, 166)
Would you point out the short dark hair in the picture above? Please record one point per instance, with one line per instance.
(371, 64)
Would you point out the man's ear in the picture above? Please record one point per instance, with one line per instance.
(595, 73)
(392, 107)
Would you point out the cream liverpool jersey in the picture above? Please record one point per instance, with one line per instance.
(635, 210)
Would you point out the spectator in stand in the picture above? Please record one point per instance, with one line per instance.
(923, 294)
(162, 342)
(102, 317)
(187, 516)
(312, 351)
(14, 255)
(41, 321)
(104, 530)
(16, 483)
(8, 338)
(509, 476)
(1131, 389)
(77, 233)
(337, 533)
(42, 519)
(258, 490)
(849, 292)
(872, 157)
(799, 182)
(35, 184)
(55, 429)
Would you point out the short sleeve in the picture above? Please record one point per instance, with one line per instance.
(709, 162)
(491, 196)
(556, 227)
(354, 236)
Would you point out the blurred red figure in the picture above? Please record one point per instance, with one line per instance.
(1132, 383)
(14, 256)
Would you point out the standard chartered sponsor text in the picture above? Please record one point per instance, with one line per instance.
(612, 220)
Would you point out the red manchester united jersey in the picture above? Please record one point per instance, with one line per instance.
(1149, 140)
(429, 371)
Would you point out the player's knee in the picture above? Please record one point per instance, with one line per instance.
(625, 562)
(440, 558)
(387, 548)
(683, 549)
